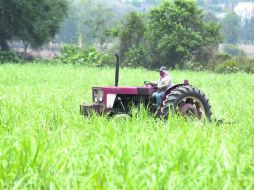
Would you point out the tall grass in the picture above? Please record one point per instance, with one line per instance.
(46, 144)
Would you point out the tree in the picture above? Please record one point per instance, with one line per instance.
(6, 23)
(231, 28)
(132, 33)
(33, 22)
(99, 23)
(177, 30)
(90, 20)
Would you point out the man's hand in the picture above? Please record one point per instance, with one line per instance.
(147, 82)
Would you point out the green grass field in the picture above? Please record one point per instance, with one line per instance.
(46, 144)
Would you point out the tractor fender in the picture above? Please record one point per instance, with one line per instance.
(168, 91)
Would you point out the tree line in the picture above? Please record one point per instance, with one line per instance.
(169, 34)
(177, 33)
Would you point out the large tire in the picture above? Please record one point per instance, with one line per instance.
(187, 101)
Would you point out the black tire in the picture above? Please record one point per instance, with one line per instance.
(184, 100)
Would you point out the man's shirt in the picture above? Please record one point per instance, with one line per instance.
(164, 83)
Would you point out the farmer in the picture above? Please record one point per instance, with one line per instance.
(162, 85)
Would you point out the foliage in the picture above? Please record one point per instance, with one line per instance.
(99, 23)
(231, 28)
(228, 67)
(194, 66)
(237, 64)
(33, 23)
(206, 58)
(71, 54)
(9, 57)
(88, 21)
(205, 55)
(135, 57)
(223, 63)
(47, 144)
(132, 33)
(235, 29)
(172, 34)
(177, 30)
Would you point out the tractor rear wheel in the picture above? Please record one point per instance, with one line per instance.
(188, 102)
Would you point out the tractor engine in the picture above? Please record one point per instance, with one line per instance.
(116, 100)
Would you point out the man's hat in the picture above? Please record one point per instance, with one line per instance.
(163, 68)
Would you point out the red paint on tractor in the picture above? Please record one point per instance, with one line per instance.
(127, 91)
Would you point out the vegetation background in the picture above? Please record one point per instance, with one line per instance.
(195, 35)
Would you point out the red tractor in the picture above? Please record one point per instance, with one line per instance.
(183, 99)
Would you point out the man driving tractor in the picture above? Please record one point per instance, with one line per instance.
(182, 98)
(162, 85)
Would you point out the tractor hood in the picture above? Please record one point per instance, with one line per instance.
(128, 90)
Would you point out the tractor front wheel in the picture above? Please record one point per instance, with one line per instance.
(188, 102)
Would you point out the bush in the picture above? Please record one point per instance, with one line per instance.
(228, 67)
(237, 64)
(9, 57)
(221, 57)
(204, 54)
(135, 57)
(72, 54)
(194, 66)
(223, 63)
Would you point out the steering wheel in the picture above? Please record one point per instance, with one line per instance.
(149, 84)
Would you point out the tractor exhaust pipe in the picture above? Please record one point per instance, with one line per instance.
(117, 70)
